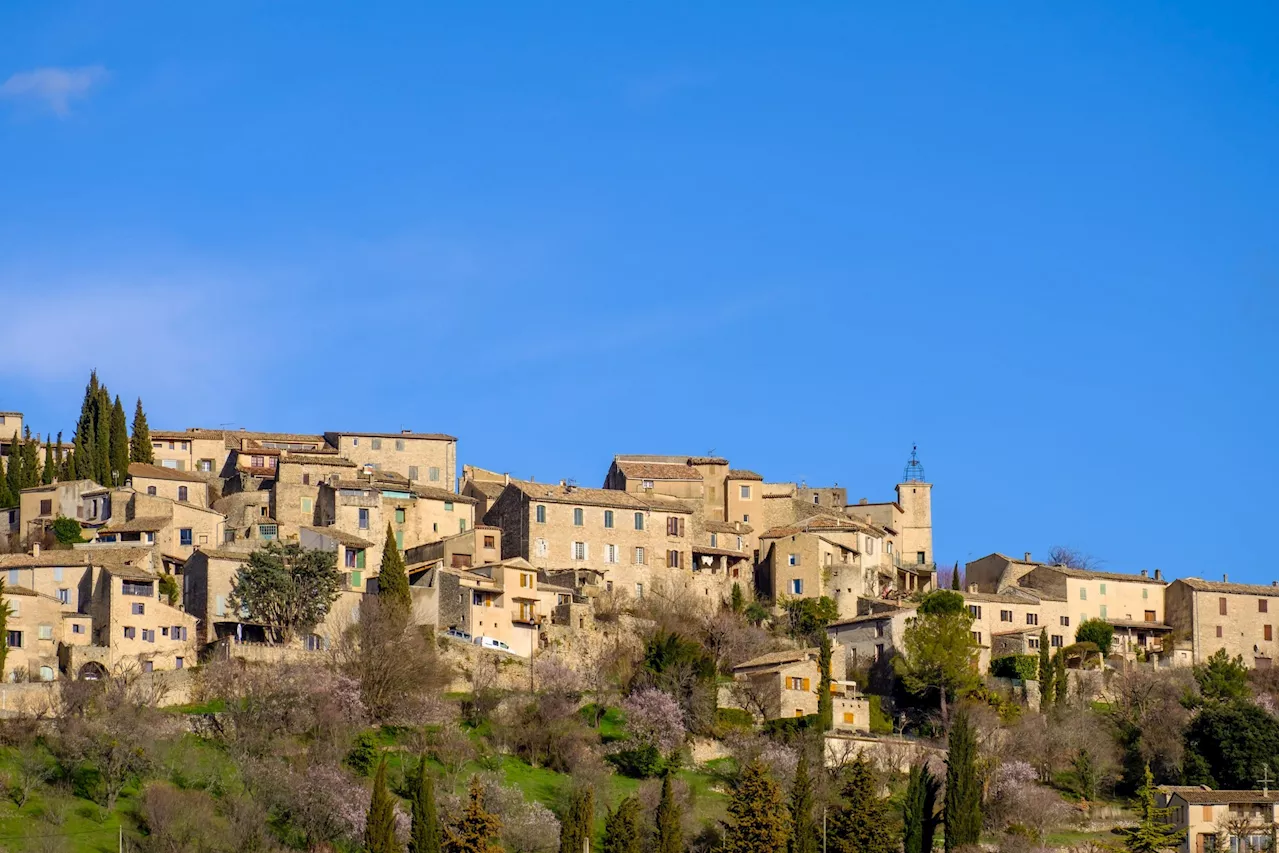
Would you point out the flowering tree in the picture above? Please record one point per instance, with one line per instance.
(654, 719)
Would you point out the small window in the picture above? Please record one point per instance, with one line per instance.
(1084, 594)
(1064, 621)
(433, 474)
(375, 443)
(46, 673)
(151, 490)
(673, 559)
(357, 579)
(400, 444)
(399, 540)
(148, 666)
(639, 521)
(1222, 606)
(46, 632)
(1102, 589)
(608, 518)
(920, 558)
(364, 519)
(577, 516)
(138, 608)
(1033, 619)
(1262, 605)
(797, 586)
(744, 492)
(129, 633)
(258, 461)
(413, 472)
(355, 442)
(306, 505)
(448, 506)
(793, 559)
(77, 627)
(1266, 633)
(540, 514)
(1006, 615)
(975, 611)
(1056, 641)
(349, 558)
(540, 547)
(488, 542)
(15, 639)
(977, 636)
(1102, 611)
(579, 550)
(178, 663)
(1217, 631)
(182, 493)
(462, 525)
(639, 557)
(1148, 616)
(399, 515)
(184, 536)
(746, 518)
(639, 590)
(611, 553)
(64, 596)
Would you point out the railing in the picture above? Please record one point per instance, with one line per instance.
(902, 562)
(529, 618)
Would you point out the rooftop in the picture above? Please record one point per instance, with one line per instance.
(1207, 797)
(549, 493)
(141, 524)
(776, 658)
(1222, 586)
(658, 471)
(1094, 574)
(159, 472)
(744, 474)
(430, 436)
(348, 539)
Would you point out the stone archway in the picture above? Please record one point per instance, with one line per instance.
(92, 671)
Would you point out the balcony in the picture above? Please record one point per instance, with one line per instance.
(528, 619)
(901, 561)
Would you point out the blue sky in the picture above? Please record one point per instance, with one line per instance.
(1038, 239)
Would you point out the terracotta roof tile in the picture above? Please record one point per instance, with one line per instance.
(159, 472)
(708, 460)
(744, 474)
(658, 471)
(1090, 574)
(1207, 797)
(433, 436)
(775, 658)
(1219, 586)
(339, 536)
(141, 524)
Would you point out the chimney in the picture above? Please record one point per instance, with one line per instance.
(405, 432)
(506, 479)
(1224, 577)
(1026, 556)
(973, 587)
(1159, 576)
(862, 501)
(1143, 572)
(562, 484)
(35, 549)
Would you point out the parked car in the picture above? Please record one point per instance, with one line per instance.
(491, 643)
(458, 635)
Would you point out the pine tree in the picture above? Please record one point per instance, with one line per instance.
(1046, 672)
(826, 715)
(962, 809)
(140, 442)
(759, 819)
(119, 450)
(803, 837)
(473, 833)
(861, 824)
(1153, 834)
(667, 817)
(955, 577)
(1060, 682)
(424, 833)
(13, 467)
(736, 599)
(579, 819)
(30, 460)
(393, 577)
(380, 825)
(919, 820)
(48, 470)
(622, 828)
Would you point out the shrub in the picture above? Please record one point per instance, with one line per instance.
(787, 728)
(881, 724)
(364, 754)
(733, 718)
(1021, 667)
(644, 762)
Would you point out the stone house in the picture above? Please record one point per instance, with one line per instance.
(822, 555)
(995, 572)
(1212, 615)
(38, 625)
(132, 617)
(215, 452)
(10, 425)
(40, 506)
(499, 600)
(295, 488)
(1010, 622)
(484, 486)
(1229, 820)
(873, 637)
(785, 684)
(353, 555)
(482, 545)
(181, 486)
(427, 458)
(633, 540)
(174, 527)
(1132, 604)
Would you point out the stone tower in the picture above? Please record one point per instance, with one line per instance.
(916, 536)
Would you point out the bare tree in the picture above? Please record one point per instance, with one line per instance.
(32, 771)
(1074, 558)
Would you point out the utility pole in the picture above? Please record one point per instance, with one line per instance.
(824, 829)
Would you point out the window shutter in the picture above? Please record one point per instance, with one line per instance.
(805, 685)
(681, 533)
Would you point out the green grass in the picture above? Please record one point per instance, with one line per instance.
(214, 706)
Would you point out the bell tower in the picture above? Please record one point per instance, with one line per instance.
(914, 496)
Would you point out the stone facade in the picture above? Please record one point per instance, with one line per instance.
(40, 506)
(427, 458)
(180, 486)
(1206, 815)
(1212, 615)
(295, 491)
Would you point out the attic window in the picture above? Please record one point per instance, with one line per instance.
(646, 484)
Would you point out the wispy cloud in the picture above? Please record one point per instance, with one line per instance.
(53, 88)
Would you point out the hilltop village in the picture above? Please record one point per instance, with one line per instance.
(136, 552)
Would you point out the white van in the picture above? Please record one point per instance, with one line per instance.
(491, 643)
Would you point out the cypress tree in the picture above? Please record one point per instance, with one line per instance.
(1046, 671)
(759, 819)
(83, 451)
(667, 817)
(962, 809)
(477, 827)
(955, 577)
(7, 499)
(919, 820)
(1060, 682)
(119, 445)
(63, 461)
(861, 824)
(48, 470)
(826, 715)
(13, 467)
(393, 577)
(380, 825)
(803, 837)
(140, 449)
(102, 443)
(575, 829)
(622, 827)
(424, 833)
(1153, 834)
(30, 460)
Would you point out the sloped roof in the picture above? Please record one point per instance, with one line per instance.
(744, 474)
(1092, 574)
(315, 457)
(1222, 586)
(434, 436)
(348, 539)
(775, 658)
(712, 525)
(141, 524)
(488, 488)
(1207, 797)
(159, 472)
(813, 524)
(13, 589)
(550, 493)
(708, 460)
(658, 471)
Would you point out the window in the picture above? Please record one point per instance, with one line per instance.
(1217, 632)
(888, 547)
(744, 492)
(611, 553)
(142, 588)
(977, 636)
(1144, 593)
(64, 596)
(919, 558)
(1102, 589)
(182, 493)
(673, 559)
(797, 586)
(577, 516)
(184, 536)
(129, 632)
(306, 505)
(608, 518)
(258, 461)
(399, 515)
(975, 611)
(177, 663)
(357, 579)
(364, 519)
(540, 547)
(355, 442)
(13, 577)
(579, 550)
(400, 444)
(793, 559)
(1056, 641)
(646, 484)
(46, 673)
(1006, 615)
(639, 557)
(462, 525)
(433, 474)
(1148, 616)
(1033, 643)
(349, 560)
(879, 651)
(1262, 605)
(77, 627)
(1266, 633)
(488, 541)
(148, 635)
(1033, 619)
(220, 607)
(151, 490)
(267, 531)
(815, 499)
(794, 683)
(448, 506)
(46, 507)
(148, 666)
(639, 590)
(746, 518)
(45, 632)
(57, 573)
(1084, 594)
(540, 514)
(375, 443)
(1102, 611)
(1064, 621)
(205, 465)
(15, 639)
(138, 608)
(1222, 606)
(399, 540)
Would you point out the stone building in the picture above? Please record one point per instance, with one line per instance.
(1132, 604)
(1010, 622)
(1212, 615)
(786, 683)
(295, 488)
(182, 486)
(633, 540)
(40, 506)
(1221, 820)
(427, 458)
(871, 638)
(174, 527)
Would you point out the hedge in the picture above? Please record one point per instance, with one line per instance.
(880, 722)
(1024, 667)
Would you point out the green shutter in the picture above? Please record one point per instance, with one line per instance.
(400, 540)
(355, 578)
(360, 559)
